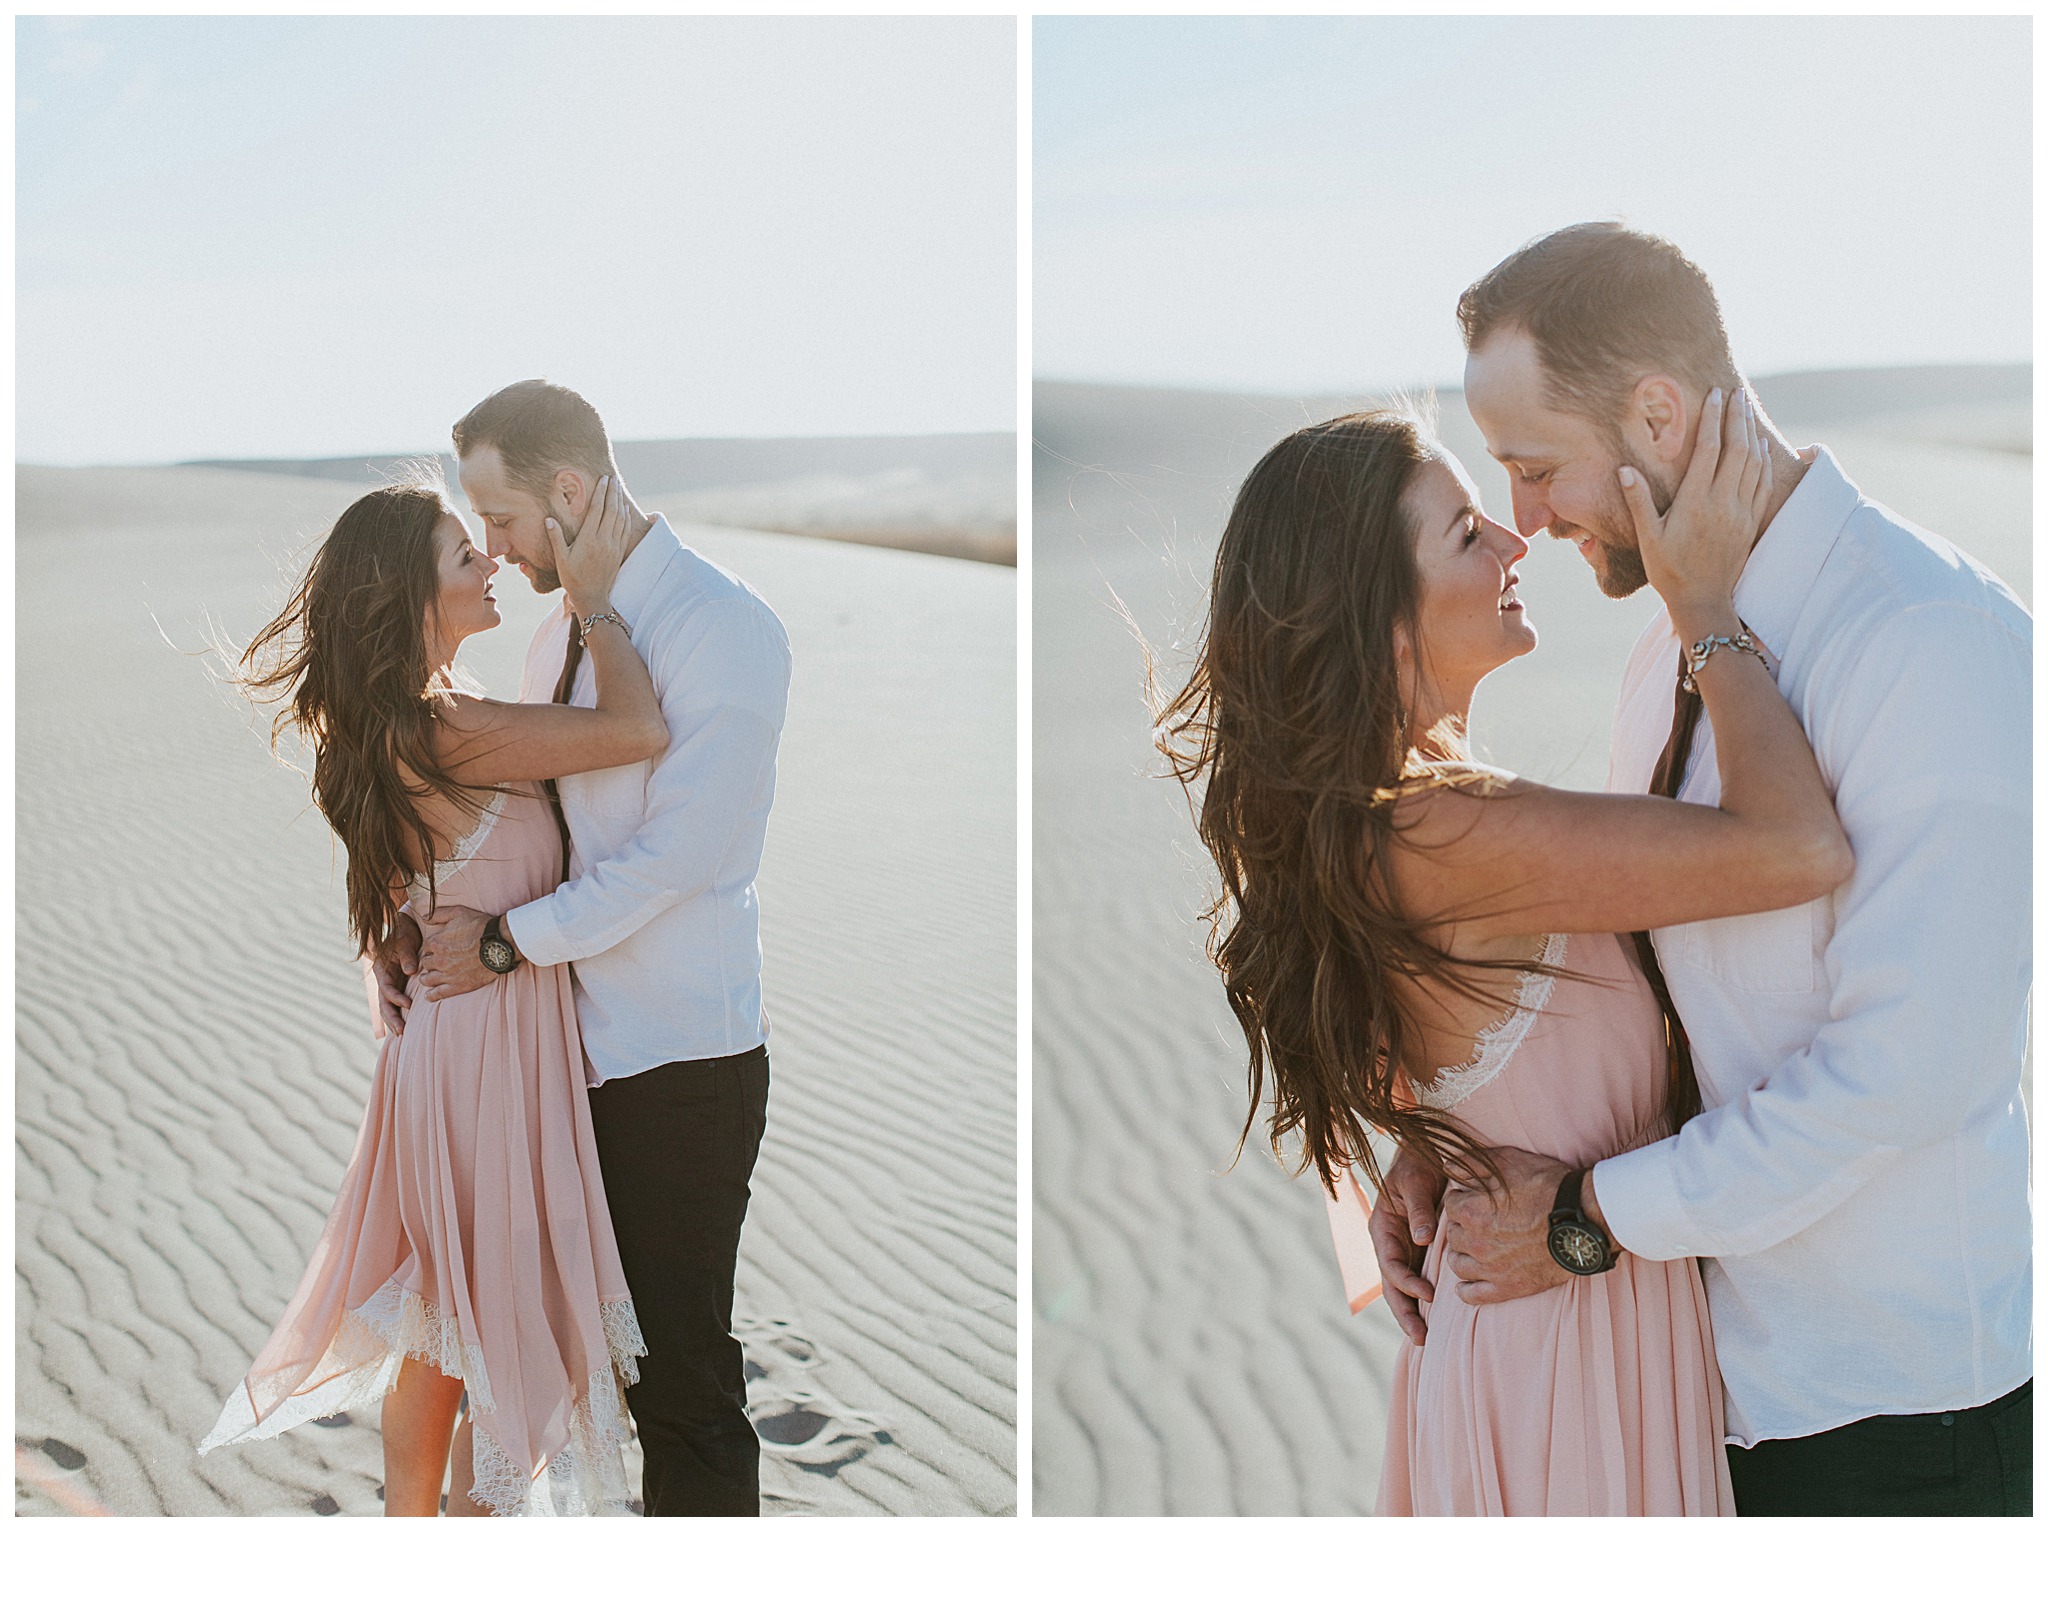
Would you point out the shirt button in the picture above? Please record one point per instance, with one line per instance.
(1948, 1418)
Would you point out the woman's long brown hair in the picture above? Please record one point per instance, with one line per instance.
(348, 657)
(1295, 725)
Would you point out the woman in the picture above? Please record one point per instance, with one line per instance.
(470, 1248)
(1425, 948)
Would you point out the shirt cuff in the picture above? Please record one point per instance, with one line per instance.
(533, 930)
(1639, 1199)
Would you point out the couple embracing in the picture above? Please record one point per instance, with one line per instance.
(540, 1223)
(1708, 1186)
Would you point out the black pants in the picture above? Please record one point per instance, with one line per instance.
(677, 1146)
(1972, 1463)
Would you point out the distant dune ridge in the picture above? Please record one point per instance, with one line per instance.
(1191, 1348)
(945, 494)
(194, 1048)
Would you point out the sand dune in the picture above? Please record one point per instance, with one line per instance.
(945, 494)
(194, 1045)
(1192, 1353)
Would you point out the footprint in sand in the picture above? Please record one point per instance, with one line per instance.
(797, 1420)
(66, 1456)
(775, 1339)
(813, 1429)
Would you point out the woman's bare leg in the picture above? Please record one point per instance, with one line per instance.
(418, 1418)
(462, 1475)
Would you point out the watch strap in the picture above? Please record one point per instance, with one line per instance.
(1568, 1204)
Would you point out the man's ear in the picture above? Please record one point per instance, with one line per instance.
(1663, 417)
(573, 491)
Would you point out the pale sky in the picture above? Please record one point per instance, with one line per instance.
(247, 236)
(1293, 205)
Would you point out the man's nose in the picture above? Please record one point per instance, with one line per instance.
(1532, 510)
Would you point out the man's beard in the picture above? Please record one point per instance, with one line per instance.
(544, 579)
(1625, 573)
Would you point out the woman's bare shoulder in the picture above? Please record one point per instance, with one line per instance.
(1448, 799)
(460, 712)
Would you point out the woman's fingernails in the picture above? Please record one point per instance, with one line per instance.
(1628, 476)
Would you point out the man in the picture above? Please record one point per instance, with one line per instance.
(1856, 1183)
(658, 916)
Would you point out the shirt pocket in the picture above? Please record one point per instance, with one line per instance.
(1765, 953)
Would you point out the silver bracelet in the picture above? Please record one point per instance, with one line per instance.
(601, 617)
(1697, 653)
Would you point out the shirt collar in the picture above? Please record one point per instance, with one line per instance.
(1788, 557)
(642, 567)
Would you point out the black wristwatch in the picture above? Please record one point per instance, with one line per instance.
(498, 954)
(1579, 1245)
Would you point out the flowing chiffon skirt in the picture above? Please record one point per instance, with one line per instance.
(471, 1230)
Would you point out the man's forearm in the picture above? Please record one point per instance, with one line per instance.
(699, 798)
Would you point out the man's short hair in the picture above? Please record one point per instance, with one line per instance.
(537, 429)
(1605, 306)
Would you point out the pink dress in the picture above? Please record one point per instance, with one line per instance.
(1598, 1397)
(471, 1229)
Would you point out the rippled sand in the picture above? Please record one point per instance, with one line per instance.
(1191, 1349)
(194, 1046)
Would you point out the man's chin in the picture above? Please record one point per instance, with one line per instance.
(1622, 576)
(1616, 569)
(545, 580)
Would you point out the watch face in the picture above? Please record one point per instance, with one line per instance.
(498, 956)
(1578, 1248)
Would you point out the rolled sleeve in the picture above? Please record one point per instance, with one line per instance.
(1927, 968)
(723, 680)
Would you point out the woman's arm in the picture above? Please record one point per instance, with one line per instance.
(1509, 857)
(495, 742)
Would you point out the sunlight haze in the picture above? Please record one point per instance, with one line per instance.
(264, 236)
(1294, 204)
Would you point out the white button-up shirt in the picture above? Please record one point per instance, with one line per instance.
(659, 915)
(1858, 1178)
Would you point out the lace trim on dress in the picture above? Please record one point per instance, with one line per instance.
(463, 850)
(359, 1367)
(587, 1475)
(1497, 1042)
